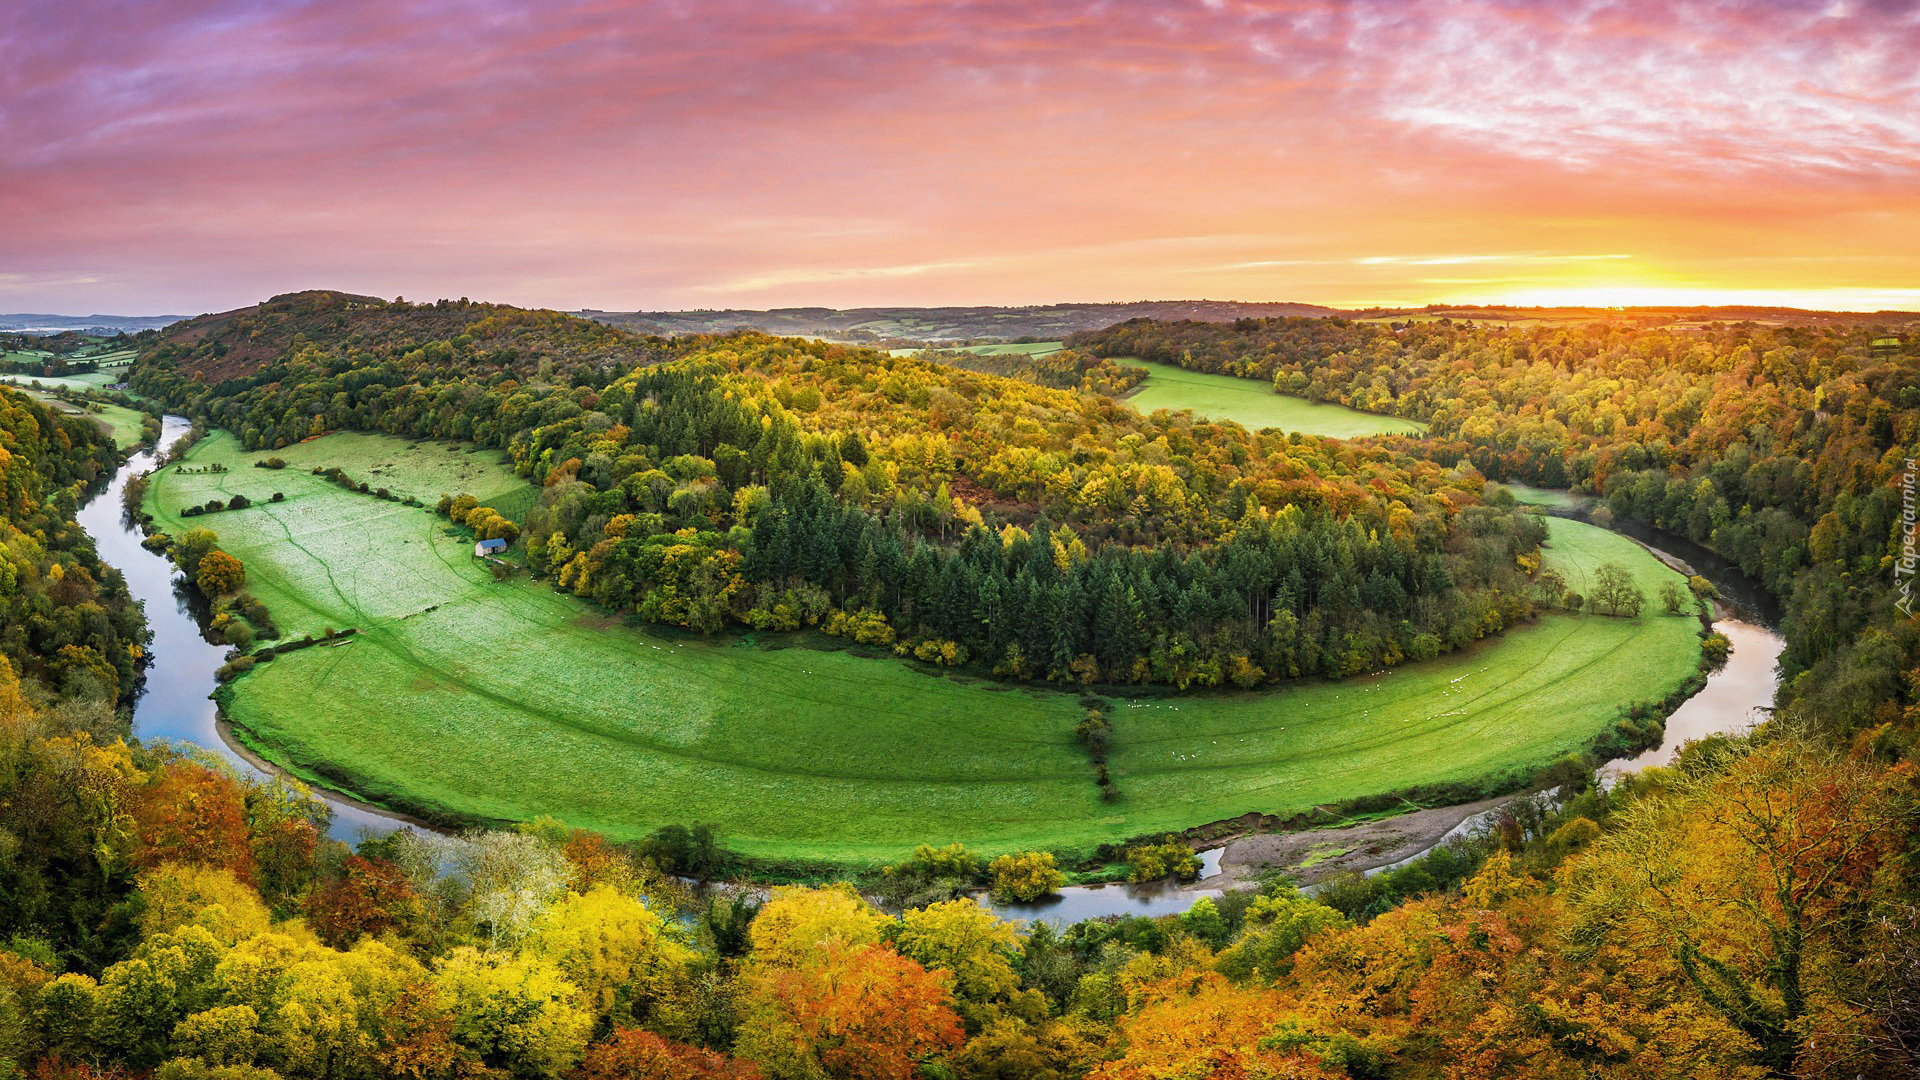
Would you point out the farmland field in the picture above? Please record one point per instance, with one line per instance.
(121, 422)
(90, 380)
(507, 700)
(1548, 498)
(1026, 348)
(1253, 404)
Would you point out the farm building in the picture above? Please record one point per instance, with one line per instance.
(488, 547)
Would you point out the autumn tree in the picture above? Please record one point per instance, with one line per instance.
(798, 921)
(368, 896)
(610, 946)
(1206, 1026)
(192, 814)
(630, 1054)
(1025, 877)
(972, 946)
(849, 1012)
(219, 573)
(416, 1036)
(1673, 597)
(514, 1013)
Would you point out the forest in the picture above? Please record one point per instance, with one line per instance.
(65, 617)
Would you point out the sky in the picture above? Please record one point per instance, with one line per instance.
(178, 156)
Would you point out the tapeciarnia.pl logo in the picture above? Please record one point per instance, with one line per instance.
(1903, 568)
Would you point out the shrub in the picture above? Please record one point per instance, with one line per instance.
(928, 863)
(1717, 647)
(1095, 734)
(1027, 876)
(1167, 859)
(220, 573)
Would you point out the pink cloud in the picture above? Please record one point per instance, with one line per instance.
(193, 154)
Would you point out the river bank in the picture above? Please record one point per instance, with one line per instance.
(175, 701)
(1735, 697)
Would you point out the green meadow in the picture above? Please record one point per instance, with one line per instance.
(507, 700)
(1548, 498)
(1024, 348)
(89, 380)
(1252, 404)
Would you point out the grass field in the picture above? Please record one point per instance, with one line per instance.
(507, 700)
(1550, 498)
(1027, 348)
(90, 380)
(1253, 404)
(121, 422)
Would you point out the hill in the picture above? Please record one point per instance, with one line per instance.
(31, 323)
(878, 325)
(493, 337)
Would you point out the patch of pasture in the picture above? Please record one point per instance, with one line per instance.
(1550, 498)
(122, 423)
(86, 380)
(1253, 404)
(507, 700)
(1020, 348)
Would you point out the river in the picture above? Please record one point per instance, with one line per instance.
(175, 703)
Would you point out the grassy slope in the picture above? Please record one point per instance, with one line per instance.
(1253, 404)
(1549, 498)
(508, 700)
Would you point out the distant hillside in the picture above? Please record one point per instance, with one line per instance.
(240, 343)
(1676, 317)
(107, 325)
(880, 325)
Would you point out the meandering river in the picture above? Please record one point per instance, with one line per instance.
(176, 703)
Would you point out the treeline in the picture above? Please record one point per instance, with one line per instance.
(956, 516)
(66, 619)
(188, 921)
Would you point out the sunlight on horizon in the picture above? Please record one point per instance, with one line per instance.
(1839, 298)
